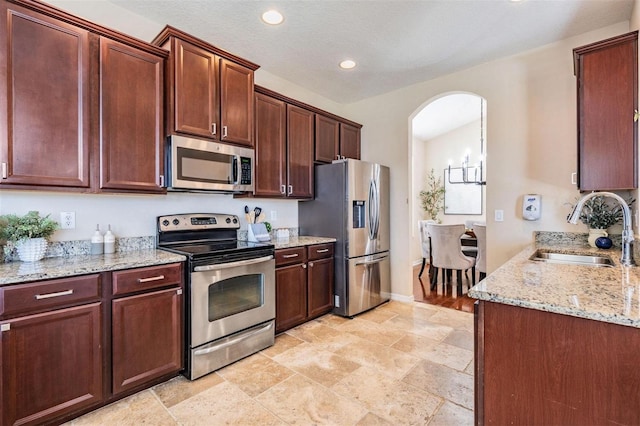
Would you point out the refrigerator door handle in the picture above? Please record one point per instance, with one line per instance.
(374, 210)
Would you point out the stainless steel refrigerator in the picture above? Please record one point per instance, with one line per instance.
(352, 205)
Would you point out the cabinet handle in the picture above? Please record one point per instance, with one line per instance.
(4, 170)
(322, 251)
(310, 264)
(161, 180)
(146, 280)
(5, 327)
(283, 189)
(214, 128)
(224, 132)
(304, 266)
(290, 190)
(50, 295)
(289, 256)
(574, 178)
(179, 291)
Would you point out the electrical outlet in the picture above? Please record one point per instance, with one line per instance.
(67, 220)
(274, 215)
(498, 215)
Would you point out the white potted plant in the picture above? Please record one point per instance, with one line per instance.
(29, 234)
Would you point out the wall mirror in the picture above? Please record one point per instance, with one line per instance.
(461, 199)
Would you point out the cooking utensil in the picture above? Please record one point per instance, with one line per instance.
(257, 212)
(260, 218)
(246, 214)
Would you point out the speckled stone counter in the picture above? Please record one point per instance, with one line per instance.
(609, 294)
(57, 267)
(301, 241)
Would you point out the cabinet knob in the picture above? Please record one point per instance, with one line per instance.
(310, 264)
(304, 266)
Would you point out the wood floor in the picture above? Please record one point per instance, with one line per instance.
(454, 297)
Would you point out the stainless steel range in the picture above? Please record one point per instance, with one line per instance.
(230, 312)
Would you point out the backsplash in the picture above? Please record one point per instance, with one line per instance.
(123, 244)
(570, 238)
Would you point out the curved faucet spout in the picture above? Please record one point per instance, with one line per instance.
(627, 231)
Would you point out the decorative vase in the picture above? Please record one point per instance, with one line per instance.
(32, 249)
(594, 234)
(604, 243)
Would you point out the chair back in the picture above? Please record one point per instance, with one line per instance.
(481, 237)
(446, 250)
(424, 237)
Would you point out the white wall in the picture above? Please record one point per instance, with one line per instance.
(531, 144)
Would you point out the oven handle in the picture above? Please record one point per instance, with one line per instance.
(233, 341)
(232, 264)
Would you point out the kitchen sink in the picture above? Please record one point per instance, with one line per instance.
(571, 258)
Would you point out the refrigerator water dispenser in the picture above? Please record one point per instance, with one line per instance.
(358, 213)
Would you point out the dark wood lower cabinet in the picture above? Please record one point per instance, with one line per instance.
(51, 364)
(147, 338)
(540, 368)
(304, 284)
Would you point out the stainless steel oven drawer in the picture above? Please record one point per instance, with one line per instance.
(221, 352)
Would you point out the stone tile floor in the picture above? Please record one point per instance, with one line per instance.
(399, 364)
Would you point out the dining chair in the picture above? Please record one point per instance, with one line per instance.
(425, 244)
(446, 253)
(480, 229)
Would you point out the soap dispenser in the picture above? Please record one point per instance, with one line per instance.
(109, 242)
(97, 242)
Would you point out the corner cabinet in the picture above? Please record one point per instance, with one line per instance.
(83, 109)
(304, 284)
(607, 77)
(210, 91)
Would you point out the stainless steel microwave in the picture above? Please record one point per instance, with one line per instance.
(199, 165)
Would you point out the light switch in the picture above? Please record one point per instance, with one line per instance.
(498, 215)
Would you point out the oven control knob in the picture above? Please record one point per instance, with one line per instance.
(235, 220)
(176, 222)
(228, 220)
(165, 222)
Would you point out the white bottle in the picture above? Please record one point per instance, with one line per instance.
(97, 242)
(109, 242)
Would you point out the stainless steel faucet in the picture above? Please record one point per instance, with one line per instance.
(627, 232)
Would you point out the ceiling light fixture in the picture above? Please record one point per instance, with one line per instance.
(347, 64)
(272, 17)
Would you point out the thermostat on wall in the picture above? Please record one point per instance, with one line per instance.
(531, 205)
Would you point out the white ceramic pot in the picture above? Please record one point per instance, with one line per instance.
(594, 234)
(31, 250)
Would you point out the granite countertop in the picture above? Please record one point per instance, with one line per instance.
(65, 266)
(302, 240)
(608, 294)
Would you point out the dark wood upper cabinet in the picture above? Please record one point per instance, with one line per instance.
(209, 91)
(300, 135)
(271, 146)
(45, 115)
(84, 105)
(607, 77)
(327, 147)
(131, 118)
(349, 141)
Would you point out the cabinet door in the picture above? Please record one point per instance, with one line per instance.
(291, 296)
(300, 135)
(147, 337)
(236, 103)
(196, 90)
(607, 99)
(44, 108)
(271, 146)
(320, 287)
(131, 96)
(327, 139)
(349, 141)
(51, 364)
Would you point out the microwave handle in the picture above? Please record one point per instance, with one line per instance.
(235, 168)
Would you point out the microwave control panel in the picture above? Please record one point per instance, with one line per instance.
(245, 171)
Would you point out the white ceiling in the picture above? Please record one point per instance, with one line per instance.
(396, 43)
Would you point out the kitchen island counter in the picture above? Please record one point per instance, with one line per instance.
(608, 294)
(66, 266)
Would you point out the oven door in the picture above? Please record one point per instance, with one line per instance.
(229, 297)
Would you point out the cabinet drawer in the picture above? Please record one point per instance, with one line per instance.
(290, 256)
(46, 295)
(135, 280)
(320, 251)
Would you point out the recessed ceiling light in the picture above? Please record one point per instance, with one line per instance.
(272, 17)
(347, 64)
